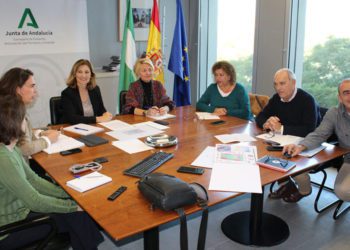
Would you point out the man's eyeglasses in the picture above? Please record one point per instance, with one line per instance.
(270, 159)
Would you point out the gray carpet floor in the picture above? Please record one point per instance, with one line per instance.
(308, 230)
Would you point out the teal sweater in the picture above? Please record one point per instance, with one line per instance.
(237, 103)
(22, 191)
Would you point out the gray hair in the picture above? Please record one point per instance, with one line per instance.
(291, 74)
(345, 80)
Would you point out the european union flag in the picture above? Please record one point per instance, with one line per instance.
(178, 62)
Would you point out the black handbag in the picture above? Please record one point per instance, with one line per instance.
(170, 193)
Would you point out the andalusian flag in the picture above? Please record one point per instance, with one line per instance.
(128, 55)
(154, 46)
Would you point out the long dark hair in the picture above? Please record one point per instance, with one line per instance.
(12, 114)
(12, 79)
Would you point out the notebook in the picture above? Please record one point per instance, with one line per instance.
(92, 140)
(89, 181)
(83, 129)
(275, 163)
(63, 143)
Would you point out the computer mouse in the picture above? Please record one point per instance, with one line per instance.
(288, 156)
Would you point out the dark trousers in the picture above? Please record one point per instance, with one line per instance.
(84, 233)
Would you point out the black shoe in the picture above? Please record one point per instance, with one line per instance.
(283, 191)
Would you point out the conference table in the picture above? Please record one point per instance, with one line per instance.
(131, 213)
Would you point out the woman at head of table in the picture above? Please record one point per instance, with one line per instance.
(147, 96)
(20, 83)
(225, 96)
(23, 194)
(81, 101)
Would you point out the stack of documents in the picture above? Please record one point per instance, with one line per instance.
(226, 138)
(233, 168)
(115, 125)
(63, 143)
(206, 116)
(83, 129)
(281, 139)
(88, 181)
(161, 117)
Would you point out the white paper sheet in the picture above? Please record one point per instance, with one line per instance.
(206, 158)
(281, 139)
(236, 178)
(226, 138)
(152, 124)
(63, 143)
(134, 132)
(161, 117)
(206, 116)
(312, 152)
(83, 129)
(131, 146)
(115, 125)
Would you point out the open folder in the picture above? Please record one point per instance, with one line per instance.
(89, 181)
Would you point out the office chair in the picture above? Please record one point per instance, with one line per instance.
(257, 103)
(55, 110)
(122, 100)
(29, 223)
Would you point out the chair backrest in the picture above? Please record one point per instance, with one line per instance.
(257, 103)
(122, 100)
(333, 139)
(55, 110)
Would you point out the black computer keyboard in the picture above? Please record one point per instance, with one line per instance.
(148, 164)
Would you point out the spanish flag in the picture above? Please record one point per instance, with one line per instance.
(154, 46)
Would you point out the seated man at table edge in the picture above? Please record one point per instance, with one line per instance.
(23, 194)
(291, 111)
(147, 96)
(336, 120)
(81, 101)
(225, 96)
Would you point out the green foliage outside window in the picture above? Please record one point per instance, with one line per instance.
(323, 69)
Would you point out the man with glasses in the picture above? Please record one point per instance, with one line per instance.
(291, 111)
(336, 120)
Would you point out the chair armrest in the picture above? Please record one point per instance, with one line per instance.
(28, 223)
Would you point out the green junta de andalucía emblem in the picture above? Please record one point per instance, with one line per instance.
(32, 23)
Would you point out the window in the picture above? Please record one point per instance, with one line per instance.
(326, 57)
(235, 36)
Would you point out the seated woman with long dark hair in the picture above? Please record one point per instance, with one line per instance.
(23, 194)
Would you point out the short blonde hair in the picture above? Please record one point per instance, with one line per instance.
(141, 61)
(72, 80)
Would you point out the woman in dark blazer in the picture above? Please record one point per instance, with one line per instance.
(82, 101)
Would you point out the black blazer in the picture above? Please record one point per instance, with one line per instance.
(72, 107)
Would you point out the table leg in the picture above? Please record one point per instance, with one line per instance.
(151, 239)
(255, 227)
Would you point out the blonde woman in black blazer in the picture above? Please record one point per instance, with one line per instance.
(81, 101)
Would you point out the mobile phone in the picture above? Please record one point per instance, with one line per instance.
(161, 122)
(190, 170)
(274, 148)
(71, 151)
(218, 122)
(100, 160)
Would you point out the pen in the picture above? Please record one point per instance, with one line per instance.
(84, 129)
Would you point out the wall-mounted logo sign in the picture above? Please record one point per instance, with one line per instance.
(28, 13)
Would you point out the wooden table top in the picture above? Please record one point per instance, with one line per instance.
(130, 213)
